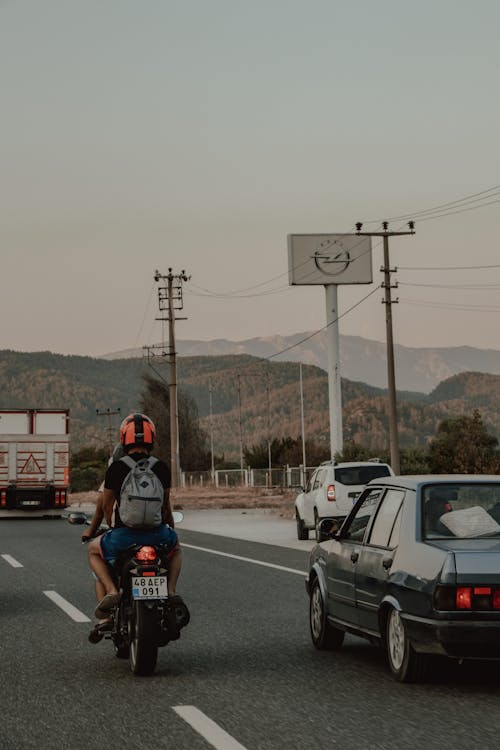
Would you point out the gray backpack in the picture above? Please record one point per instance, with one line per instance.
(141, 494)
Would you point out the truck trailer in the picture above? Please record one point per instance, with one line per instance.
(34, 462)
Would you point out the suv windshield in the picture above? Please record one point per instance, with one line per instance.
(360, 474)
(465, 510)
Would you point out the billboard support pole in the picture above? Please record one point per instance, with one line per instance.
(330, 260)
(334, 382)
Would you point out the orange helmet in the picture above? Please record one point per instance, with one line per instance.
(137, 429)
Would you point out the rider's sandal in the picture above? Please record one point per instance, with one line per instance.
(107, 604)
(97, 632)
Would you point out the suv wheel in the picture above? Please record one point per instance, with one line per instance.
(302, 532)
(316, 525)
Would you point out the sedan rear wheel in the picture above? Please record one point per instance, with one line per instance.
(406, 664)
(323, 634)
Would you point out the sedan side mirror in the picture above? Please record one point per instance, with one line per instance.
(328, 527)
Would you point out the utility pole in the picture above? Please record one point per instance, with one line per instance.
(303, 478)
(169, 300)
(211, 429)
(108, 413)
(388, 301)
(241, 428)
(269, 456)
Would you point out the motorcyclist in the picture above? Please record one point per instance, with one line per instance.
(137, 434)
(98, 517)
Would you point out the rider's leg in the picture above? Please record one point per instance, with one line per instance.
(100, 568)
(100, 591)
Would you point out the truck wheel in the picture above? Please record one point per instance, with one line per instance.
(302, 532)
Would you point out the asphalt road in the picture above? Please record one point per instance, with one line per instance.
(244, 674)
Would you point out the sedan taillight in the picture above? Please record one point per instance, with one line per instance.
(466, 598)
(330, 493)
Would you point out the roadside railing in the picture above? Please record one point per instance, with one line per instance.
(285, 477)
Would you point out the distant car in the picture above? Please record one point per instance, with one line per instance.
(332, 491)
(415, 567)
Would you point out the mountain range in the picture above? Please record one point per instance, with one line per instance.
(364, 360)
(240, 399)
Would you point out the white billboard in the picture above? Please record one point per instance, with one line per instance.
(329, 259)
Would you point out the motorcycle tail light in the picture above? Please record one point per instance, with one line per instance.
(146, 554)
(330, 493)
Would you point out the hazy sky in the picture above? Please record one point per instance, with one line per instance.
(197, 134)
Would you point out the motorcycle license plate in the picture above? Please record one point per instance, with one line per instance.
(149, 588)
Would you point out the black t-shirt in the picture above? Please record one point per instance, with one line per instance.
(118, 470)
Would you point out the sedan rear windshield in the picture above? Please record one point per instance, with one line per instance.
(464, 510)
(360, 474)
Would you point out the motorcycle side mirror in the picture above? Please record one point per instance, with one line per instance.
(178, 516)
(77, 517)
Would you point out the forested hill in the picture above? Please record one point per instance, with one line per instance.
(262, 396)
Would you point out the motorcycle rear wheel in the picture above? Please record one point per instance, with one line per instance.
(143, 654)
(122, 650)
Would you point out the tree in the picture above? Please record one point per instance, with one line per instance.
(88, 467)
(463, 446)
(193, 452)
(413, 461)
(285, 451)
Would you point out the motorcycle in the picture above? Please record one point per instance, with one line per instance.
(146, 617)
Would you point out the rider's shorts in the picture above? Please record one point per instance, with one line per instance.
(116, 540)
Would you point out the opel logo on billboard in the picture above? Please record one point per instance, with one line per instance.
(331, 257)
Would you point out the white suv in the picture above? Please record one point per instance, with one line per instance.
(332, 490)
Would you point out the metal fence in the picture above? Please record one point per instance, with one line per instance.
(285, 477)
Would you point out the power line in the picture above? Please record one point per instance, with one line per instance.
(229, 295)
(278, 290)
(466, 199)
(461, 211)
(427, 214)
(450, 305)
(306, 338)
(494, 285)
(446, 268)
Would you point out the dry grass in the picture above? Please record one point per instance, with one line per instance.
(203, 498)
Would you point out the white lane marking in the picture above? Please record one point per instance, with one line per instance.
(12, 561)
(209, 730)
(246, 559)
(70, 610)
